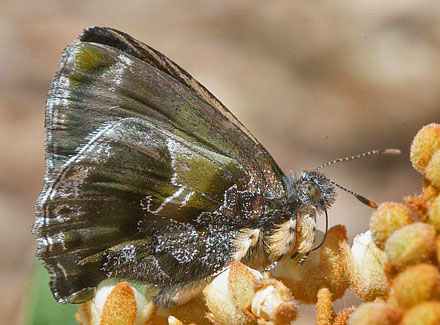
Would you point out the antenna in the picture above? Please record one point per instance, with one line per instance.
(303, 259)
(361, 198)
(361, 155)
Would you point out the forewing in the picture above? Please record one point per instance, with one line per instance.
(108, 75)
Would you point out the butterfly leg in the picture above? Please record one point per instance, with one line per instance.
(306, 226)
(272, 266)
(303, 259)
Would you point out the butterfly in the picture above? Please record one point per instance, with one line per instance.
(150, 178)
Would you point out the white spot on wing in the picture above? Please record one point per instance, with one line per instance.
(187, 197)
(63, 270)
(125, 59)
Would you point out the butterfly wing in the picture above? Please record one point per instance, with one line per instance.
(148, 175)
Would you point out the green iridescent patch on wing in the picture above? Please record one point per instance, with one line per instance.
(208, 175)
(90, 59)
(214, 181)
(90, 62)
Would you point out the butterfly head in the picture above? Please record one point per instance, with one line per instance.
(311, 189)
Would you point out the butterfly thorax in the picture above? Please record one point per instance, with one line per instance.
(288, 224)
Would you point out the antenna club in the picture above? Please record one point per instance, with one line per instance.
(373, 205)
(361, 198)
(391, 151)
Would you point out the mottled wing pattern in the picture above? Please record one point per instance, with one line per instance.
(143, 163)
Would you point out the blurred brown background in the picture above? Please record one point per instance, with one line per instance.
(313, 80)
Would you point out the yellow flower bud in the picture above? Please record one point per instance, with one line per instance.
(324, 307)
(437, 248)
(226, 294)
(364, 267)
(425, 143)
(273, 303)
(410, 245)
(429, 191)
(120, 306)
(386, 220)
(416, 284)
(375, 313)
(432, 171)
(117, 304)
(331, 270)
(427, 313)
(433, 215)
(241, 296)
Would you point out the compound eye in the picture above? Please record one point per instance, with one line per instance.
(312, 190)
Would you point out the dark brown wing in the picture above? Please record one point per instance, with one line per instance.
(138, 155)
